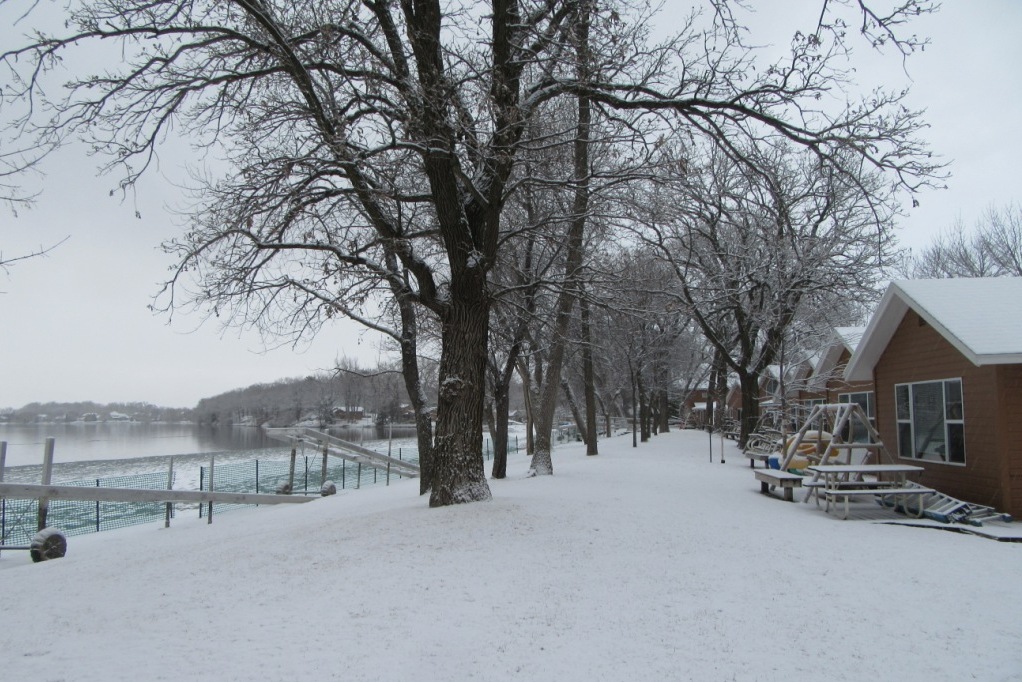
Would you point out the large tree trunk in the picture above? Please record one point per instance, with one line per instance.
(750, 406)
(457, 471)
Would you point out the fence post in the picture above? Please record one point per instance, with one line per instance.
(291, 469)
(257, 476)
(358, 485)
(3, 501)
(306, 458)
(44, 502)
(202, 483)
(344, 468)
(388, 473)
(170, 486)
(209, 513)
(97, 508)
(322, 479)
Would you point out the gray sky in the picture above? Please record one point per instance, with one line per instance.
(74, 325)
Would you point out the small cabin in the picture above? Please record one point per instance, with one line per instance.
(945, 360)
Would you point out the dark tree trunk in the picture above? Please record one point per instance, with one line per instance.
(457, 471)
(588, 379)
(643, 408)
(750, 406)
(635, 416)
(720, 395)
(501, 406)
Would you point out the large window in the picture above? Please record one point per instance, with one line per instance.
(931, 424)
(858, 433)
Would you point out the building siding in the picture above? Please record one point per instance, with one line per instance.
(1009, 402)
(917, 353)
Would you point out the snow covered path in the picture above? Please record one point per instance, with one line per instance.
(639, 564)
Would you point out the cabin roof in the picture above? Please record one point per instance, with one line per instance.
(979, 316)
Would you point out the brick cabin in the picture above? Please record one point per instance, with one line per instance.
(945, 358)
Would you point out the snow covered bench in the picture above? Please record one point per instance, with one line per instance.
(772, 478)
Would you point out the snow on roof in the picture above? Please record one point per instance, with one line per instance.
(826, 365)
(979, 316)
(850, 336)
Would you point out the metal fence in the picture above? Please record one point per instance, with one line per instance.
(19, 518)
(268, 476)
(261, 476)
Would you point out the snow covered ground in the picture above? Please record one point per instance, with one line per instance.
(639, 564)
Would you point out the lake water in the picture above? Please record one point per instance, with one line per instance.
(97, 450)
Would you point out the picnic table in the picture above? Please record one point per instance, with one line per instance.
(837, 481)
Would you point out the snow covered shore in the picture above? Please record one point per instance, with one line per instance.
(639, 564)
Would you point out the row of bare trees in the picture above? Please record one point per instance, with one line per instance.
(536, 187)
(993, 248)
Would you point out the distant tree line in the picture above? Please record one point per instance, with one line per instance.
(87, 411)
(349, 393)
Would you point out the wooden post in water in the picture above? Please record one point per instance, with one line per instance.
(170, 486)
(209, 510)
(44, 502)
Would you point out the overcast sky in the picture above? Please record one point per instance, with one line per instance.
(75, 325)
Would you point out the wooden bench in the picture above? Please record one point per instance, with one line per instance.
(769, 478)
(758, 457)
(833, 494)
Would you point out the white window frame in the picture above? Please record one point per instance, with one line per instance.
(948, 421)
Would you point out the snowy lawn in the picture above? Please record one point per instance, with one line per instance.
(644, 564)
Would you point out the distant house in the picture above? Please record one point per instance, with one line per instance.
(945, 358)
(827, 384)
(796, 377)
(349, 414)
(694, 407)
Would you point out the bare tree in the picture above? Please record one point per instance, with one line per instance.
(992, 249)
(360, 131)
(767, 242)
